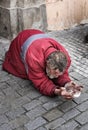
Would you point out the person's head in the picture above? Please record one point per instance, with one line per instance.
(56, 64)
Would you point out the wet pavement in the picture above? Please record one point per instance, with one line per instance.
(22, 107)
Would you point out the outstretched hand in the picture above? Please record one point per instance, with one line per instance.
(62, 91)
(65, 94)
(73, 85)
(69, 90)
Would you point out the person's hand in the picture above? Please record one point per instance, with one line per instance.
(62, 91)
(74, 89)
(66, 94)
(73, 85)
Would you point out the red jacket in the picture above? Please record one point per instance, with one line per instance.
(36, 61)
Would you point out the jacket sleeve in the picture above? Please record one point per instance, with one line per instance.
(42, 82)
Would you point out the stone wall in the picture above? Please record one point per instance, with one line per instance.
(64, 14)
(17, 15)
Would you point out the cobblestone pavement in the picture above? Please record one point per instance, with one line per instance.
(22, 107)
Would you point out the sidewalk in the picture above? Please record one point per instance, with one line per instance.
(22, 107)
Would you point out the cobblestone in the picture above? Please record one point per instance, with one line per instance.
(67, 106)
(50, 105)
(69, 125)
(82, 118)
(84, 81)
(2, 96)
(32, 105)
(82, 99)
(11, 92)
(85, 127)
(38, 111)
(33, 95)
(3, 85)
(5, 127)
(22, 107)
(41, 128)
(15, 113)
(76, 75)
(4, 107)
(22, 91)
(20, 128)
(17, 122)
(3, 119)
(53, 114)
(83, 107)
(32, 125)
(71, 114)
(19, 102)
(54, 124)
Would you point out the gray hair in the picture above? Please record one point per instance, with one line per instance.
(57, 60)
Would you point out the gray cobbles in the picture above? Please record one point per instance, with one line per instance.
(83, 107)
(82, 118)
(38, 111)
(18, 122)
(21, 128)
(5, 127)
(19, 102)
(44, 99)
(3, 119)
(71, 125)
(22, 91)
(41, 128)
(11, 92)
(22, 107)
(12, 114)
(4, 107)
(13, 84)
(33, 125)
(84, 81)
(85, 127)
(33, 94)
(3, 85)
(83, 98)
(53, 114)
(71, 114)
(2, 96)
(32, 105)
(51, 104)
(4, 77)
(54, 124)
(76, 75)
(67, 106)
